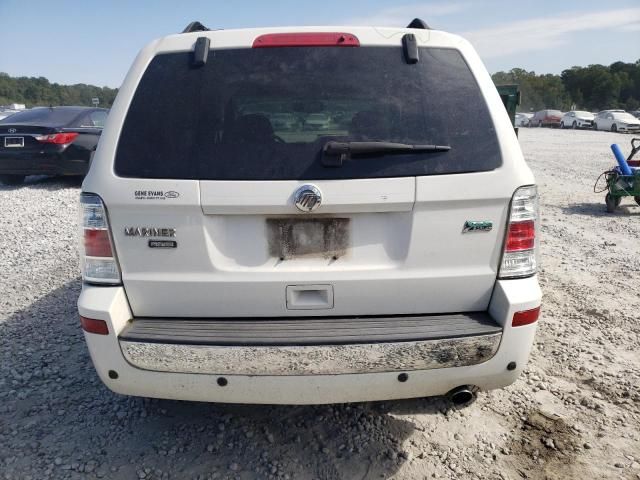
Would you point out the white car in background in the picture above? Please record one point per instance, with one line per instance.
(616, 121)
(522, 119)
(577, 119)
(7, 110)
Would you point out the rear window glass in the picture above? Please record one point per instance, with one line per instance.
(44, 116)
(94, 119)
(265, 114)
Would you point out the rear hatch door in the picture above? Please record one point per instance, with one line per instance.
(212, 159)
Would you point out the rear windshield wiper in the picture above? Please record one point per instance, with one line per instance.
(335, 153)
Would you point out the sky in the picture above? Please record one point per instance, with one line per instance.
(95, 42)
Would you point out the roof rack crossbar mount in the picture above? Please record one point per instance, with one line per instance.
(419, 23)
(200, 52)
(195, 27)
(410, 48)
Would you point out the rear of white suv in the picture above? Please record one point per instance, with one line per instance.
(388, 251)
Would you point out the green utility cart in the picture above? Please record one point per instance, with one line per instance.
(619, 185)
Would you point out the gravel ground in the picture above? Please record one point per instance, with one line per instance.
(574, 413)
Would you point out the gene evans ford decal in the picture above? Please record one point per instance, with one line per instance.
(155, 194)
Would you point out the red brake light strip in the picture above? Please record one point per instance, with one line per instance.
(307, 39)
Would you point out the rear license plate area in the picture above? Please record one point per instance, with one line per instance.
(308, 237)
(13, 142)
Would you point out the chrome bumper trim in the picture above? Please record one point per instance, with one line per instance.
(311, 359)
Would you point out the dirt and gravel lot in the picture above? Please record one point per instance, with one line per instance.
(575, 413)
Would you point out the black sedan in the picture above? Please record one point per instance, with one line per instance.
(48, 141)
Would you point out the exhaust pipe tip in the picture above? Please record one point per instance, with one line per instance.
(462, 396)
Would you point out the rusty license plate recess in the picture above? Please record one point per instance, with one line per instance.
(308, 237)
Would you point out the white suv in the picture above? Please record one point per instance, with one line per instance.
(232, 257)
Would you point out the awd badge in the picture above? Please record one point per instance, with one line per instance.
(477, 226)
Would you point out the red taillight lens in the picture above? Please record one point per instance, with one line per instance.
(526, 317)
(92, 325)
(314, 39)
(521, 236)
(57, 138)
(97, 243)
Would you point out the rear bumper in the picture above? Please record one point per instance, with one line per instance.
(41, 164)
(309, 374)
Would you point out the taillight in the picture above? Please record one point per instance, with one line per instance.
(525, 317)
(521, 236)
(57, 138)
(97, 243)
(519, 258)
(307, 39)
(97, 257)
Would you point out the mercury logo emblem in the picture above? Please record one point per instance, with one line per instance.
(307, 198)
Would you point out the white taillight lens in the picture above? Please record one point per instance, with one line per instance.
(518, 264)
(97, 258)
(519, 258)
(524, 205)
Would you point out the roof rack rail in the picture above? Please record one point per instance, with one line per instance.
(195, 27)
(418, 23)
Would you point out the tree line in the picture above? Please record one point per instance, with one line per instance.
(596, 87)
(592, 88)
(39, 92)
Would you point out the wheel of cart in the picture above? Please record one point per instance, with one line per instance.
(612, 202)
(619, 185)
